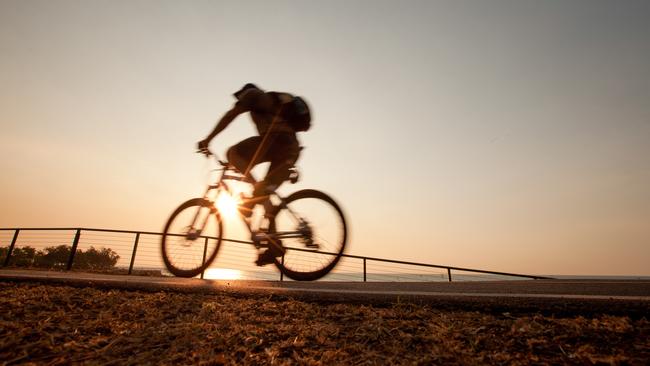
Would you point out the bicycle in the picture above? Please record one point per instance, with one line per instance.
(310, 251)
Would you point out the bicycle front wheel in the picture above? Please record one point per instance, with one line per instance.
(312, 228)
(192, 238)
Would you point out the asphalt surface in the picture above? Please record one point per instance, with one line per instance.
(620, 297)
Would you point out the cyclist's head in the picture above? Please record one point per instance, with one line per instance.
(239, 92)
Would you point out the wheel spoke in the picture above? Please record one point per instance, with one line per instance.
(327, 228)
(182, 256)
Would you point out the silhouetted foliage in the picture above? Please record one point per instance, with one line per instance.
(57, 257)
(54, 257)
(95, 259)
(22, 257)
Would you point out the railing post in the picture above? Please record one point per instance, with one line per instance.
(205, 250)
(449, 274)
(11, 247)
(135, 249)
(364, 269)
(74, 249)
(282, 273)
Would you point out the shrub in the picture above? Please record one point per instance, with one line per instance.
(95, 259)
(58, 256)
(22, 257)
(53, 257)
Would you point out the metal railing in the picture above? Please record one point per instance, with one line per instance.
(138, 248)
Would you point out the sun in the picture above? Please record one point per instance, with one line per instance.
(222, 274)
(227, 205)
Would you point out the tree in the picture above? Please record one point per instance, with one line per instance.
(95, 259)
(21, 256)
(3, 253)
(53, 257)
(58, 256)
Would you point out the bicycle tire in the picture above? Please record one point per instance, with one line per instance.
(166, 238)
(335, 254)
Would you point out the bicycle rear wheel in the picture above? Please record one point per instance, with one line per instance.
(313, 231)
(192, 238)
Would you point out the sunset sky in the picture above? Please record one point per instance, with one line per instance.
(504, 135)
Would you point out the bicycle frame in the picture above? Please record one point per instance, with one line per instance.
(258, 236)
(282, 218)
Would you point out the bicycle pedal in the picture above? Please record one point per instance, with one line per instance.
(312, 245)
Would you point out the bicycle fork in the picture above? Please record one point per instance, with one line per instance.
(194, 231)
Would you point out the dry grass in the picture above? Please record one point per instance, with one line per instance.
(59, 325)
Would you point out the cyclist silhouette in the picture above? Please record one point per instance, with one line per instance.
(276, 143)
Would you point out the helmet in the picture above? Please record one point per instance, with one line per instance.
(239, 92)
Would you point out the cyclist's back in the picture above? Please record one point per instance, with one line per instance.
(264, 107)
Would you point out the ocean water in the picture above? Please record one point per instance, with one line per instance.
(270, 273)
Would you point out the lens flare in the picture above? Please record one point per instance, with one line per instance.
(227, 205)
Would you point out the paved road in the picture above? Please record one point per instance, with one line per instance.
(630, 297)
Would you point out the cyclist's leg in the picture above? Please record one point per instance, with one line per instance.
(283, 154)
(241, 157)
(241, 154)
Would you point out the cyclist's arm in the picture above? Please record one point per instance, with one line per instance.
(247, 101)
(225, 121)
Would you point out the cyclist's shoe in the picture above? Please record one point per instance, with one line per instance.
(268, 256)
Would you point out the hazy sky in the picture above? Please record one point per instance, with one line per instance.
(505, 135)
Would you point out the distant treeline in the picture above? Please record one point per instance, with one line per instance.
(58, 256)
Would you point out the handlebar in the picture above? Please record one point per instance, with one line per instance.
(206, 151)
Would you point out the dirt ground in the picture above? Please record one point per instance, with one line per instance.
(58, 325)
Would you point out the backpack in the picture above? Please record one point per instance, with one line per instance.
(295, 112)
